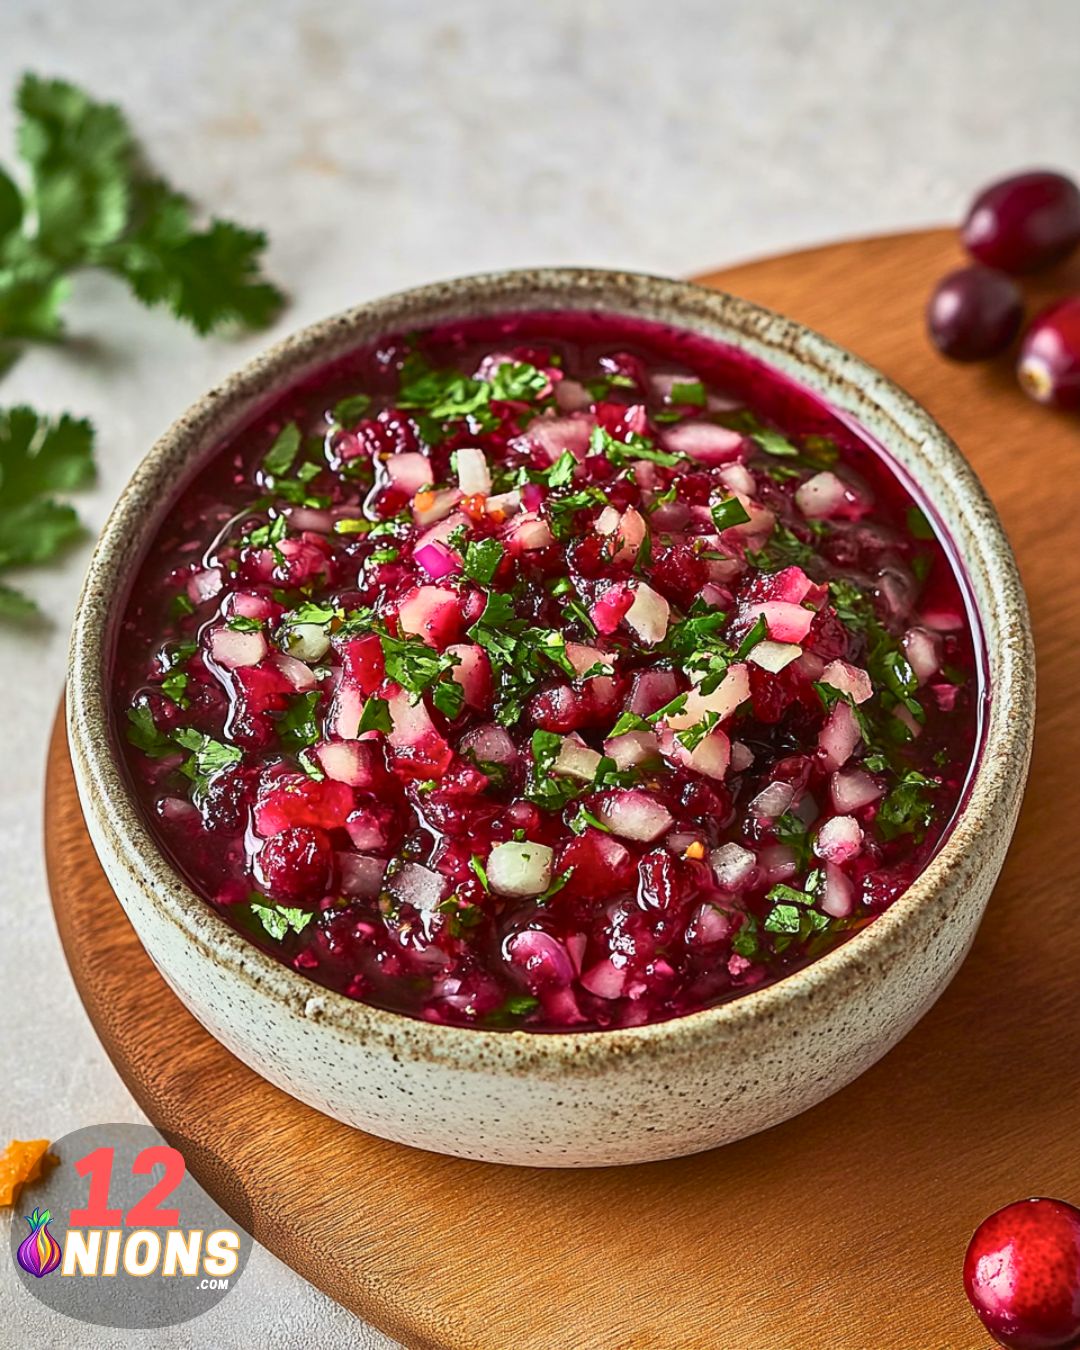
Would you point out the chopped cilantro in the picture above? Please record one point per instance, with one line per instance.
(688, 393)
(449, 697)
(728, 513)
(266, 536)
(173, 686)
(444, 395)
(918, 526)
(560, 511)
(298, 727)
(480, 560)
(348, 411)
(783, 919)
(375, 715)
(207, 758)
(756, 634)
(518, 381)
(277, 920)
(908, 808)
(477, 865)
(782, 549)
(561, 473)
(775, 443)
(278, 460)
(633, 447)
(143, 734)
(583, 818)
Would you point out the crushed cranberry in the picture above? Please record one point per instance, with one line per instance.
(553, 671)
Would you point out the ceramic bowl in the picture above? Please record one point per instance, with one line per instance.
(584, 1098)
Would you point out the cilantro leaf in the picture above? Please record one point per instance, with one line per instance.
(375, 715)
(208, 756)
(518, 381)
(298, 727)
(444, 395)
(277, 920)
(81, 158)
(688, 394)
(728, 513)
(756, 634)
(775, 443)
(918, 525)
(782, 549)
(449, 697)
(348, 411)
(16, 606)
(36, 531)
(908, 808)
(39, 456)
(279, 458)
(143, 734)
(633, 447)
(480, 560)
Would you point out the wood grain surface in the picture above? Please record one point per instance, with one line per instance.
(843, 1229)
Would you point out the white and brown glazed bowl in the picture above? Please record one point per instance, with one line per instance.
(581, 1098)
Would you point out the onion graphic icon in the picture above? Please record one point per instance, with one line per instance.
(39, 1252)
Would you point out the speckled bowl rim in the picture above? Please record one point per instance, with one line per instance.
(993, 792)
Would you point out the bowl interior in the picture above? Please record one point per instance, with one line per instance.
(922, 454)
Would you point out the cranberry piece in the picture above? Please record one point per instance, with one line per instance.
(1023, 223)
(287, 799)
(557, 709)
(1049, 366)
(295, 864)
(1022, 1275)
(363, 663)
(601, 866)
(974, 313)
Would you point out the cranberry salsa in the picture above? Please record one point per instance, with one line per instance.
(553, 671)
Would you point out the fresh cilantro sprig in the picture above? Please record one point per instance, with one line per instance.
(84, 198)
(39, 457)
(87, 200)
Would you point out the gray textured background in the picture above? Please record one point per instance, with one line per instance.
(383, 144)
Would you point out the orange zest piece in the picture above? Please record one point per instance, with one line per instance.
(695, 850)
(424, 500)
(474, 505)
(23, 1160)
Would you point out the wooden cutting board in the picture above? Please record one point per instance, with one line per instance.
(843, 1229)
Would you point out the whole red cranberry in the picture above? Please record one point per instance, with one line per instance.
(1049, 365)
(1022, 1275)
(1025, 222)
(974, 313)
(295, 864)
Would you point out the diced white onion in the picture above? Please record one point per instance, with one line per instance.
(474, 476)
(519, 869)
(633, 814)
(648, 615)
(774, 656)
(732, 865)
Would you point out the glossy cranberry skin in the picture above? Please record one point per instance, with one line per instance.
(1024, 223)
(295, 864)
(974, 313)
(1049, 365)
(1022, 1275)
